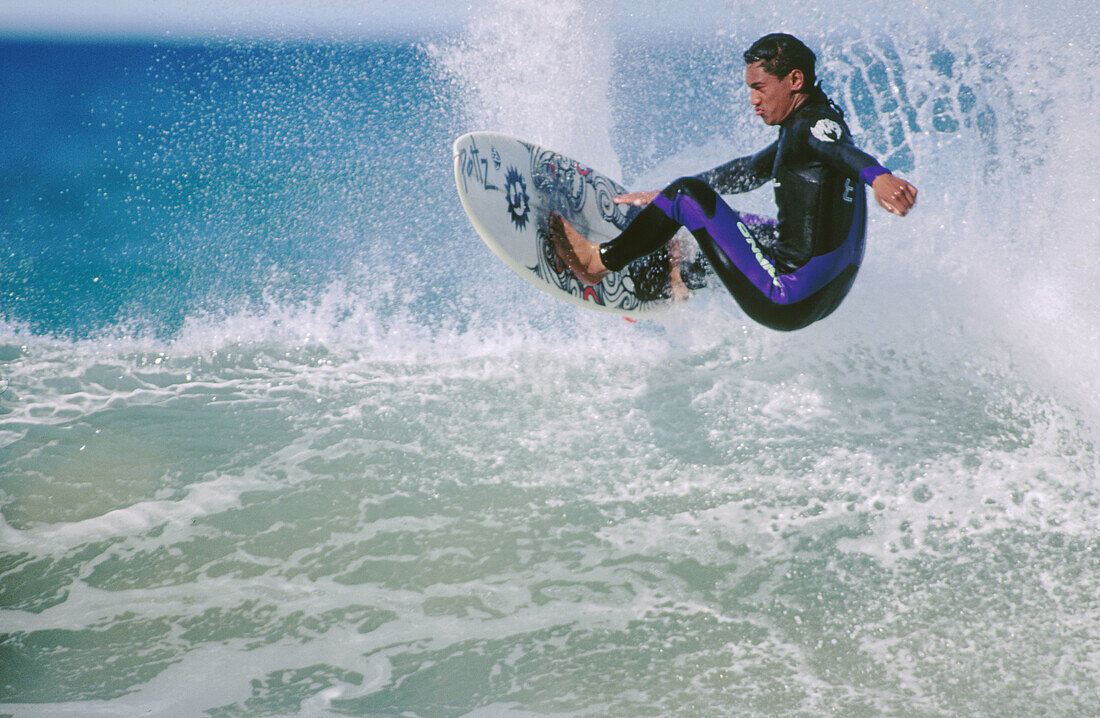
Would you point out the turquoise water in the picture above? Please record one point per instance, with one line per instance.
(280, 437)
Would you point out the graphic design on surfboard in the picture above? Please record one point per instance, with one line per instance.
(509, 187)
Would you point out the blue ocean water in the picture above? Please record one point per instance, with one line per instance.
(279, 436)
(148, 183)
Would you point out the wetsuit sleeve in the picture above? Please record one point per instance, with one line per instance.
(742, 174)
(830, 144)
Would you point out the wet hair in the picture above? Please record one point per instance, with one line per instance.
(780, 53)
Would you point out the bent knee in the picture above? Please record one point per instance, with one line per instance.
(694, 188)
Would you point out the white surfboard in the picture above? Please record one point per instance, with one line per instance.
(509, 187)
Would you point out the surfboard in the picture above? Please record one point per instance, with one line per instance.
(509, 187)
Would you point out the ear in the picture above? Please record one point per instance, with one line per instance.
(798, 79)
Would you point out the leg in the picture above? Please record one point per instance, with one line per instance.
(723, 237)
(779, 299)
(648, 232)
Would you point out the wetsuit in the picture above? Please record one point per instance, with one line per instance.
(786, 273)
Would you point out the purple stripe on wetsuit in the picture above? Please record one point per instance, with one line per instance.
(869, 174)
(727, 229)
(756, 220)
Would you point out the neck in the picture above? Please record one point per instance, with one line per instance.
(797, 101)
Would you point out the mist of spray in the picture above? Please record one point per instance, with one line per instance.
(991, 117)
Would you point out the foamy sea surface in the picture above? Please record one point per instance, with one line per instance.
(280, 437)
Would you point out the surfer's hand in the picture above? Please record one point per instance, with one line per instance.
(638, 199)
(894, 194)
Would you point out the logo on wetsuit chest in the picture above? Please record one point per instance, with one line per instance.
(826, 130)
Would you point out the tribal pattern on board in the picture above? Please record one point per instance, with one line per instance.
(569, 186)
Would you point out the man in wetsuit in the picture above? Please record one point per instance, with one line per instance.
(788, 273)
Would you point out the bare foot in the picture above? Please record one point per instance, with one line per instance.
(580, 255)
(679, 290)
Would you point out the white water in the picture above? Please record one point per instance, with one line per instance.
(370, 503)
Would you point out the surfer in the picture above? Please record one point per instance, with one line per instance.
(785, 273)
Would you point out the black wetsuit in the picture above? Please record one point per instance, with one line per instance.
(787, 273)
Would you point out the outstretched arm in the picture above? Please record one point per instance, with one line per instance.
(744, 173)
(831, 143)
(739, 175)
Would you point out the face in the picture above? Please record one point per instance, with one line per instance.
(772, 98)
